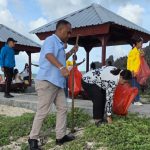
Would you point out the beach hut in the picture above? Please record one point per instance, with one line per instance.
(23, 44)
(97, 27)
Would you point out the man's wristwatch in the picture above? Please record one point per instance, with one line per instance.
(61, 67)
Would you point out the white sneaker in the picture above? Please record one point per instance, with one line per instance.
(137, 104)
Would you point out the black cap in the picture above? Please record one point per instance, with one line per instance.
(11, 39)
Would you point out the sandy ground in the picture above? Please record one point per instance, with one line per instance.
(13, 111)
(16, 145)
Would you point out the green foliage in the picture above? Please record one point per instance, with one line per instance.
(130, 133)
(126, 133)
(24, 146)
(15, 127)
(121, 62)
(81, 119)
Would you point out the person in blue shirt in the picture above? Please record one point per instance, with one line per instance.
(50, 84)
(7, 62)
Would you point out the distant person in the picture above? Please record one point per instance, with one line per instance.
(25, 72)
(133, 64)
(75, 61)
(69, 65)
(109, 63)
(17, 77)
(92, 66)
(50, 84)
(7, 63)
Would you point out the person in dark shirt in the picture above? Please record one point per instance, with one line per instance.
(7, 63)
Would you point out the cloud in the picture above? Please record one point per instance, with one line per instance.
(37, 23)
(33, 25)
(109, 3)
(8, 19)
(132, 12)
(3, 4)
(53, 9)
(18, 5)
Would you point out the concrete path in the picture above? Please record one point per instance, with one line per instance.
(29, 101)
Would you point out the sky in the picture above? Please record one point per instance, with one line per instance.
(26, 15)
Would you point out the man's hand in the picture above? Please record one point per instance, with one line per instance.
(75, 48)
(65, 72)
(2, 69)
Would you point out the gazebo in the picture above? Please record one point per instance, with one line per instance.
(23, 43)
(97, 27)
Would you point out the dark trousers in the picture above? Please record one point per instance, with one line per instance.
(98, 97)
(137, 85)
(8, 72)
(66, 88)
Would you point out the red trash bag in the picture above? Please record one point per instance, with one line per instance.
(143, 73)
(77, 82)
(123, 97)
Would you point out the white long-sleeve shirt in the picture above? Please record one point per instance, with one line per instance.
(105, 80)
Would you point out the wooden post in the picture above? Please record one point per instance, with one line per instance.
(30, 73)
(72, 90)
(87, 61)
(87, 49)
(104, 40)
(103, 51)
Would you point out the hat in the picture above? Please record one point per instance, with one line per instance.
(11, 39)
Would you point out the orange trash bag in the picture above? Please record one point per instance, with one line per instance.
(77, 82)
(143, 73)
(123, 97)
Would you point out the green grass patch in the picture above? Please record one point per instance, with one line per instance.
(130, 133)
(126, 133)
(15, 127)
